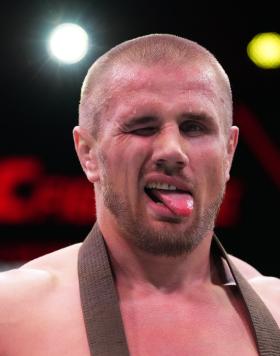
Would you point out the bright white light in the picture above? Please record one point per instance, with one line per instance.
(69, 43)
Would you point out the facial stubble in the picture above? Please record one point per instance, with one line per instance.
(165, 241)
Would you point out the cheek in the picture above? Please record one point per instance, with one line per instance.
(123, 161)
(216, 174)
(134, 153)
(212, 167)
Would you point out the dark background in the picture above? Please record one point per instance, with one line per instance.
(40, 101)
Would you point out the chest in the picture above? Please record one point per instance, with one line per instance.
(147, 335)
(170, 329)
(155, 328)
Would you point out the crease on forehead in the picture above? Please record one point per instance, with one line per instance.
(125, 89)
(196, 75)
(204, 76)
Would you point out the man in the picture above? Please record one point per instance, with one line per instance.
(156, 139)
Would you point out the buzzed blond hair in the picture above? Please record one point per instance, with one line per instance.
(146, 50)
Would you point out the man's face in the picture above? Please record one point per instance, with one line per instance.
(163, 130)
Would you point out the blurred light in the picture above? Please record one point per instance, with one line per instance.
(68, 43)
(264, 50)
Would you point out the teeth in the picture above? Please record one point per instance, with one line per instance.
(165, 186)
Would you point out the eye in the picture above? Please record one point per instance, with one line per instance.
(192, 128)
(144, 131)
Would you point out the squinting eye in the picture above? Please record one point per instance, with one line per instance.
(145, 131)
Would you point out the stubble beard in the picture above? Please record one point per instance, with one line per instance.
(164, 241)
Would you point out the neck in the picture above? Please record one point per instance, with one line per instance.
(138, 270)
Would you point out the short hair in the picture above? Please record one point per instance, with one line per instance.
(145, 50)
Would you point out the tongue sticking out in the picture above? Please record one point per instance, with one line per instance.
(179, 203)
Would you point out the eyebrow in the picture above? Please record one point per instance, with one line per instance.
(201, 116)
(142, 120)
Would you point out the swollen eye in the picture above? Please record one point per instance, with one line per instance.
(145, 131)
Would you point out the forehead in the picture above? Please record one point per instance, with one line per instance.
(140, 87)
(137, 76)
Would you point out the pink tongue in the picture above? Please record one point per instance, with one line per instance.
(180, 203)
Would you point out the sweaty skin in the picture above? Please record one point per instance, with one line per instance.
(169, 131)
(164, 125)
(41, 314)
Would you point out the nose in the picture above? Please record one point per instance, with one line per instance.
(169, 152)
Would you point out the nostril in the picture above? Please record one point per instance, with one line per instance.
(180, 163)
(169, 166)
(160, 162)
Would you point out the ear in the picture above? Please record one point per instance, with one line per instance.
(85, 146)
(231, 147)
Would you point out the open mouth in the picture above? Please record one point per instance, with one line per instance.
(151, 194)
(156, 194)
(179, 202)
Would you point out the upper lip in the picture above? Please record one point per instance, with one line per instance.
(178, 182)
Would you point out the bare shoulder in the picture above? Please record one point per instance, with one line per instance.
(34, 294)
(35, 304)
(36, 279)
(245, 268)
(57, 261)
(267, 287)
